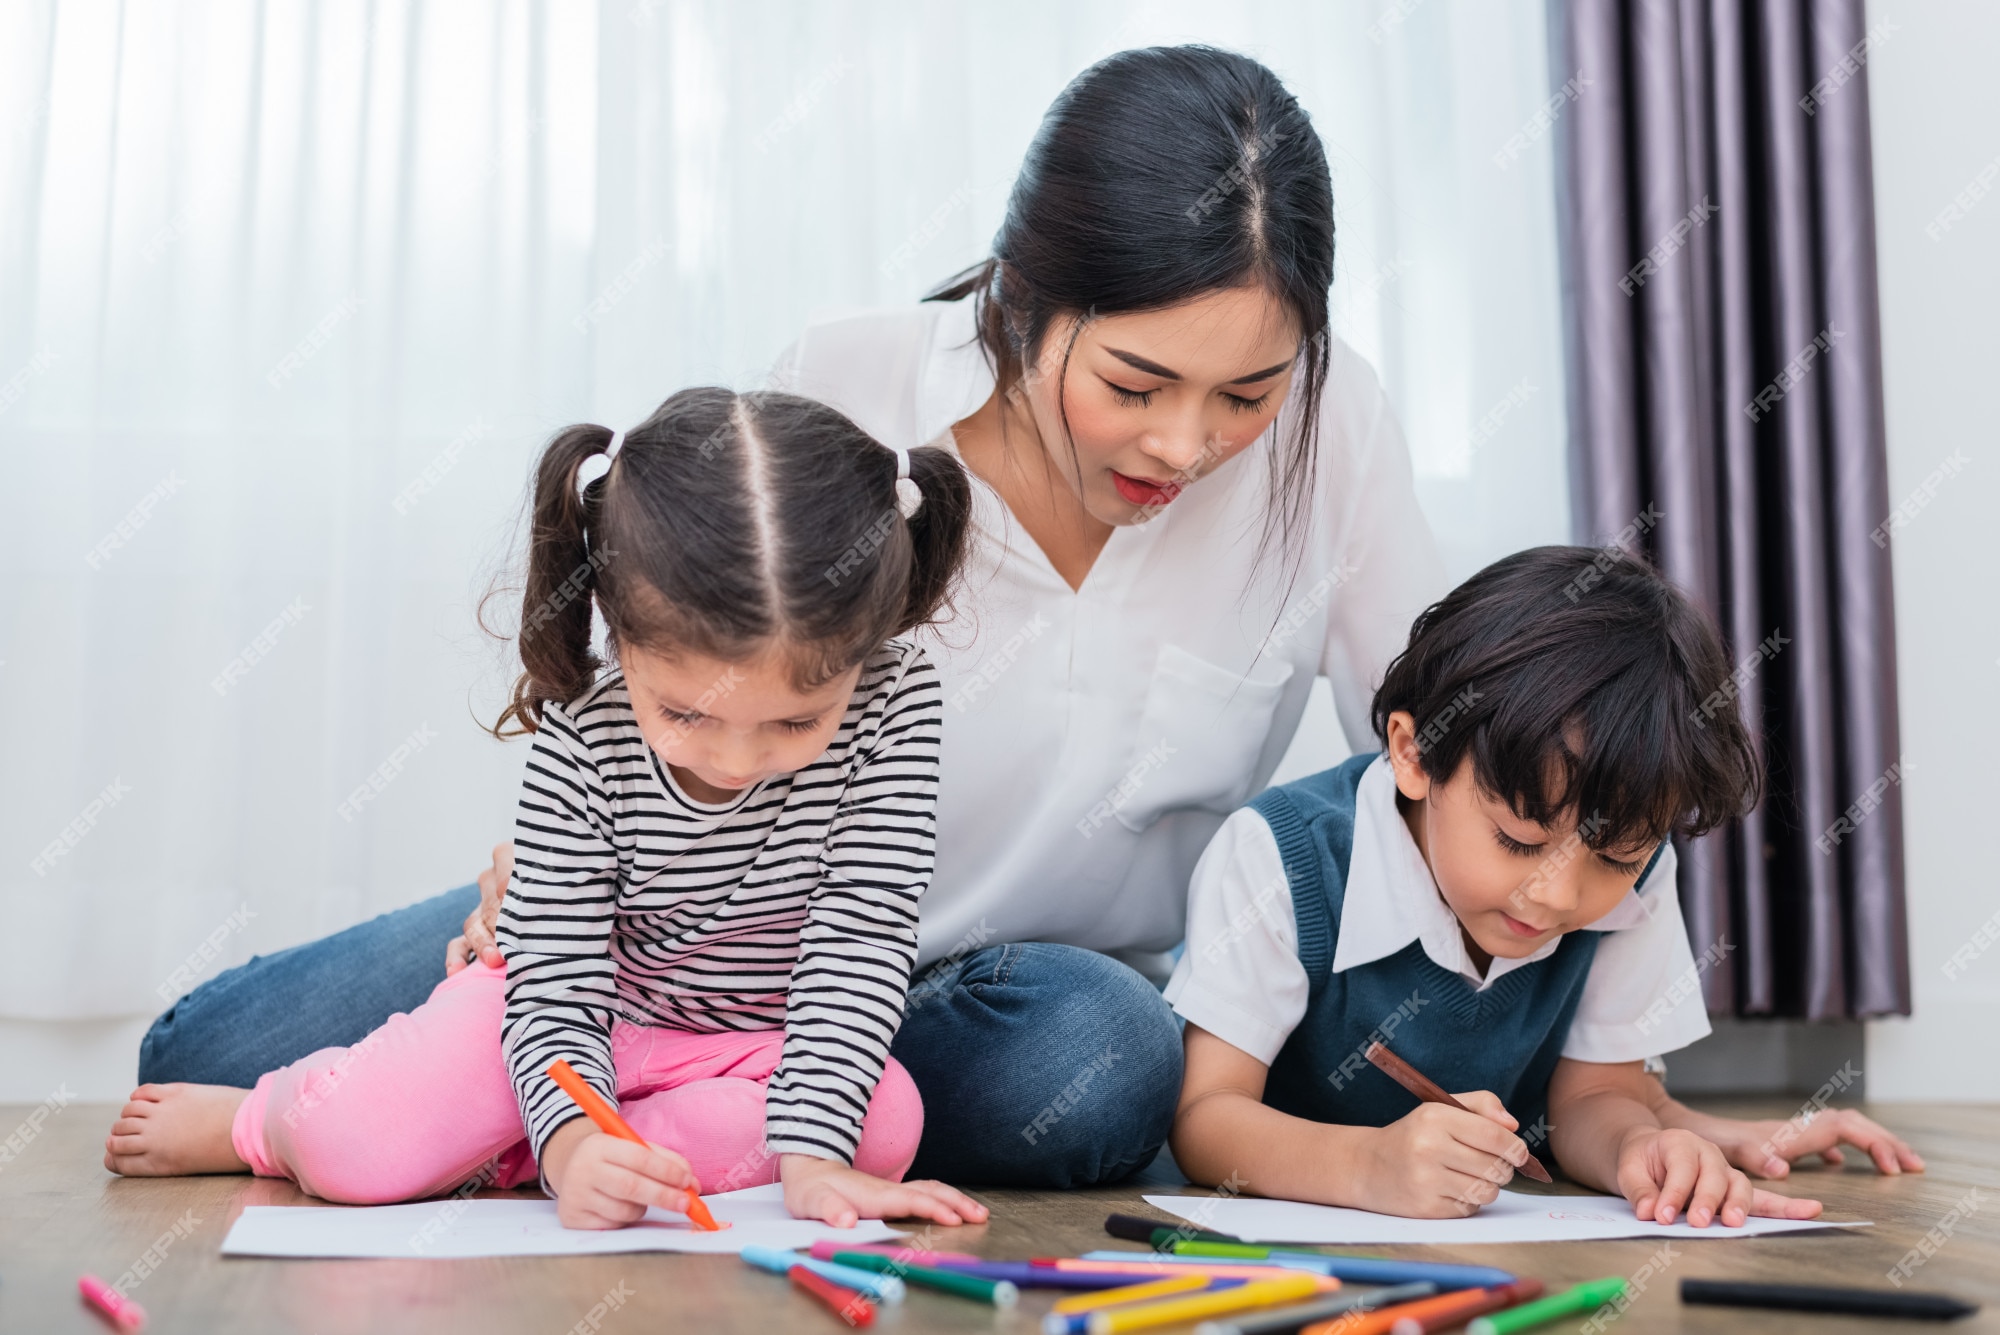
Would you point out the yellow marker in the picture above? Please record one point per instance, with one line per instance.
(1173, 1311)
(1131, 1293)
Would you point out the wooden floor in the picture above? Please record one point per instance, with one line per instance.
(61, 1215)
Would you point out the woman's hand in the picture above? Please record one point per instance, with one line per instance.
(1769, 1149)
(604, 1181)
(478, 938)
(1438, 1162)
(1669, 1172)
(842, 1196)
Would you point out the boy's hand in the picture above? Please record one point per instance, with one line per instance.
(1670, 1173)
(1769, 1149)
(842, 1196)
(1437, 1162)
(605, 1181)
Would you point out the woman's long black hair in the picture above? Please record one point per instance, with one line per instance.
(1158, 176)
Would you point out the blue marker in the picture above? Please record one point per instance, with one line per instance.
(1357, 1269)
(1312, 1262)
(882, 1288)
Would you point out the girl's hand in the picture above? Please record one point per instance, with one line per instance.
(477, 941)
(607, 1182)
(1769, 1149)
(1668, 1173)
(1438, 1162)
(842, 1196)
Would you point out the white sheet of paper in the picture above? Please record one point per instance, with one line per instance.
(1514, 1217)
(460, 1228)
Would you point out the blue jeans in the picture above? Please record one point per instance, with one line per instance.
(1040, 1065)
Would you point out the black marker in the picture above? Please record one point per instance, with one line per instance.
(1157, 1235)
(1815, 1298)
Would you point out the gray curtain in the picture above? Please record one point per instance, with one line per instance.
(1718, 250)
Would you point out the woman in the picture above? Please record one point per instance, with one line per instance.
(1195, 502)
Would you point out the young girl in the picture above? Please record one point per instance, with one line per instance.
(722, 841)
(1492, 898)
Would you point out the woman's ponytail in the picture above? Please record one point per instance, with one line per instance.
(563, 563)
(938, 533)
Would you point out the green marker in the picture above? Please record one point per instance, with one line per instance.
(1247, 1251)
(999, 1292)
(1581, 1298)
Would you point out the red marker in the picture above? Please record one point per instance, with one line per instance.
(121, 1311)
(849, 1306)
(609, 1122)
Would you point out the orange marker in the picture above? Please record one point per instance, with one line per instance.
(1441, 1312)
(609, 1122)
(1455, 1309)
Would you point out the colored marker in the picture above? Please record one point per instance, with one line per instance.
(826, 1247)
(882, 1288)
(1194, 1306)
(1251, 1252)
(1174, 1265)
(999, 1292)
(1427, 1089)
(1355, 1269)
(1028, 1275)
(1581, 1298)
(1132, 1293)
(119, 1310)
(1292, 1320)
(1153, 1233)
(1909, 1304)
(849, 1306)
(609, 1122)
(1455, 1309)
(1078, 1323)
(1439, 1313)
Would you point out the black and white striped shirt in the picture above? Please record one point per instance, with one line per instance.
(793, 905)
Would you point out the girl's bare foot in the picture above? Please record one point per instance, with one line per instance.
(172, 1130)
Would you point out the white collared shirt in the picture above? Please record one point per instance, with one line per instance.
(1241, 979)
(1095, 739)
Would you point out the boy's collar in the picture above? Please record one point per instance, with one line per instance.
(1391, 898)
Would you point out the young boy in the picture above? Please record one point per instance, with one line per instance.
(1492, 897)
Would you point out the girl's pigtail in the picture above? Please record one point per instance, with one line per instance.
(938, 534)
(554, 637)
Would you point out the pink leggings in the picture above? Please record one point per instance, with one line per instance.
(424, 1104)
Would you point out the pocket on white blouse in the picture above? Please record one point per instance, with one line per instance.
(1200, 736)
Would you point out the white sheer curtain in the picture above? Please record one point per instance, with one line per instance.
(291, 293)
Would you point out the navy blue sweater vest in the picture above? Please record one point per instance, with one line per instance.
(1505, 1039)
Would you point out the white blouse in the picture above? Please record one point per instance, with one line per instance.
(1095, 739)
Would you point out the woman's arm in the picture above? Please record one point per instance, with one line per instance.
(1436, 1163)
(1770, 1148)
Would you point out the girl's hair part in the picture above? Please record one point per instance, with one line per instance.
(1159, 176)
(1579, 679)
(729, 526)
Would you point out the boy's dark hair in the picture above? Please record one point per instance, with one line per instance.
(1578, 679)
(726, 524)
(1158, 176)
